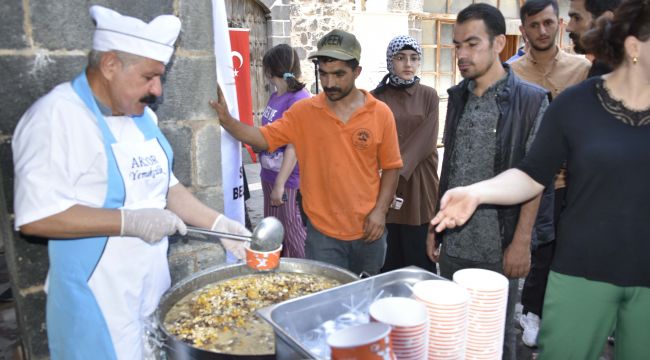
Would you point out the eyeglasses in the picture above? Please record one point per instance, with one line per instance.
(405, 58)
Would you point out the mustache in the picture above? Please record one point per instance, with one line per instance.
(464, 62)
(149, 99)
(332, 89)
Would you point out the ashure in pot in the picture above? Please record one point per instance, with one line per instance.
(245, 280)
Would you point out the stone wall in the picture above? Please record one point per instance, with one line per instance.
(44, 43)
(310, 20)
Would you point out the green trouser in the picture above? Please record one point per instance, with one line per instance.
(579, 314)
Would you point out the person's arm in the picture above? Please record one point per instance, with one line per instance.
(457, 205)
(77, 221)
(516, 257)
(289, 161)
(190, 209)
(375, 222)
(240, 131)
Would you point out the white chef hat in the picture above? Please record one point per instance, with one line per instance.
(154, 40)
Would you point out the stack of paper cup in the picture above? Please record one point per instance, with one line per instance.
(408, 320)
(486, 312)
(446, 304)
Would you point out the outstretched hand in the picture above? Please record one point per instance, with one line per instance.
(456, 207)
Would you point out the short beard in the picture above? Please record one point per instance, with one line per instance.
(478, 74)
(343, 94)
(577, 47)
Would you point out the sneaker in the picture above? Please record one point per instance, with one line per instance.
(530, 324)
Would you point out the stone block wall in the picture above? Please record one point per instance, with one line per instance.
(310, 20)
(45, 43)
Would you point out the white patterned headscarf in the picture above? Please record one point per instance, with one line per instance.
(396, 45)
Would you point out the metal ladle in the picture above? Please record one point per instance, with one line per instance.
(267, 235)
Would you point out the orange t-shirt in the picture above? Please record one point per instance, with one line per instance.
(339, 163)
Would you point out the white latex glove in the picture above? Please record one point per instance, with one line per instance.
(151, 225)
(227, 225)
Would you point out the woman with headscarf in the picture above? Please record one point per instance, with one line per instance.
(415, 107)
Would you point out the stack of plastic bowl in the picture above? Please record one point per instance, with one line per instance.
(408, 320)
(446, 304)
(486, 312)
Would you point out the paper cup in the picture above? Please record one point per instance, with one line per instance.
(362, 342)
(263, 260)
(399, 311)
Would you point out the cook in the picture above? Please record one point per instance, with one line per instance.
(94, 175)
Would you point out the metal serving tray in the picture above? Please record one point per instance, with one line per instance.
(297, 316)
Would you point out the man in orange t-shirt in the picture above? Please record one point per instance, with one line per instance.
(344, 138)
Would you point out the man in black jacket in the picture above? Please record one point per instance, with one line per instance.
(492, 116)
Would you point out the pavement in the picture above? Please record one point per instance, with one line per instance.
(10, 348)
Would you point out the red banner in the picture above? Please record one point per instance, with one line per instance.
(241, 61)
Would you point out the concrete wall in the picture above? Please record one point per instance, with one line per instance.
(44, 43)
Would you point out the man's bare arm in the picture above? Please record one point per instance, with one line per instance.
(76, 222)
(240, 131)
(190, 209)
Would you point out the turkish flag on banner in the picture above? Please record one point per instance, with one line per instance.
(241, 61)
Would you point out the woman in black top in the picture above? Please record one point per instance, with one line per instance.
(600, 275)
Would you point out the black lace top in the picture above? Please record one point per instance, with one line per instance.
(618, 109)
(604, 232)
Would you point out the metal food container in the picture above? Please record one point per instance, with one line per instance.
(174, 348)
(294, 317)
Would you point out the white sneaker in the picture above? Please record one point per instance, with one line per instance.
(530, 324)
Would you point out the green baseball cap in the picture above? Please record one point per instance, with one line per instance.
(339, 45)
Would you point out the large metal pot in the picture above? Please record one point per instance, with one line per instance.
(177, 349)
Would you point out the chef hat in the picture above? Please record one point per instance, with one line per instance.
(154, 40)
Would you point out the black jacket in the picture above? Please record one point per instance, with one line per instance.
(519, 104)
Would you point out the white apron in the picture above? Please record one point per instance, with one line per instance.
(101, 290)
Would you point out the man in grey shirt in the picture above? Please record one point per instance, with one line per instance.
(492, 116)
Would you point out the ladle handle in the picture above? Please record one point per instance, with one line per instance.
(219, 234)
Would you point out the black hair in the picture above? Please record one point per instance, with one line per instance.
(533, 7)
(491, 16)
(607, 40)
(598, 7)
(283, 59)
(353, 63)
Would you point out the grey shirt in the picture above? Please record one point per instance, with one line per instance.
(473, 160)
